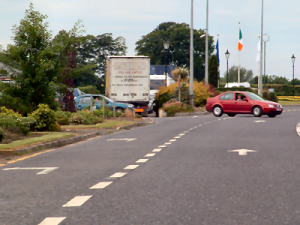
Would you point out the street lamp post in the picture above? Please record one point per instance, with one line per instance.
(227, 54)
(206, 46)
(293, 60)
(166, 47)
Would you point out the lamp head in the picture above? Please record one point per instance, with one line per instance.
(227, 54)
(293, 58)
(166, 44)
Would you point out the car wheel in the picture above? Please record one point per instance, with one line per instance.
(217, 111)
(120, 110)
(257, 111)
(231, 114)
(271, 115)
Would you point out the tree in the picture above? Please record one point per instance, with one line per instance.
(181, 72)
(272, 79)
(296, 81)
(38, 62)
(178, 36)
(213, 70)
(245, 75)
(94, 50)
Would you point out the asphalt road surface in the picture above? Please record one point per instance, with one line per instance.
(181, 170)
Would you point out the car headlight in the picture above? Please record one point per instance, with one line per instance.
(271, 106)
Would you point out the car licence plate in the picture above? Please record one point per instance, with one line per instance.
(139, 110)
(278, 109)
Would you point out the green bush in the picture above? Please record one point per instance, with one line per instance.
(54, 127)
(26, 124)
(2, 135)
(108, 113)
(265, 95)
(44, 117)
(273, 97)
(5, 111)
(77, 118)
(89, 118)
(62, 118)
(7, 121)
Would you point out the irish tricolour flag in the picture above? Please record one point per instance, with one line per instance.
(240, 45)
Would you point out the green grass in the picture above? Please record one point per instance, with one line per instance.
(49, 136)
(105, 125)
(289, 102)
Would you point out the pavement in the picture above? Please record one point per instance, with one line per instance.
(181, 170)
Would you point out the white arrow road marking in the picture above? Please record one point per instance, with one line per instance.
(101, 185)
(131, 167)
(122, 139)
(242, 151)
(77, 201)
(52, 220)
(46, 170)
(142, 160)
(259, 121)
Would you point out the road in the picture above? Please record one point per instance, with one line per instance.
(191, 176)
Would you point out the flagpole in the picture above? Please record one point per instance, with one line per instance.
(219, 61)
(259, 71)
(261, 48)
(239, 57)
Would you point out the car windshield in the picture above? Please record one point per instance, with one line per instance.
(254, 97)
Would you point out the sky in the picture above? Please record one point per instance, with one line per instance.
(132, 19)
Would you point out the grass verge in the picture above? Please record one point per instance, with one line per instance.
(49, 136)
(105, 125)
(289, 102)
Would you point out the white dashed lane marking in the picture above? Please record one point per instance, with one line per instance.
(142, 160)
(150, 155)
(178, 137)
(156, 150)
(119, 174)
(77, 201)
(173, 140)
(131, 167)
(181, 134)
(52, 221)
(162, 146)
(101, 185)
(168, 143)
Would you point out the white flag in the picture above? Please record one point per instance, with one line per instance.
(258, 51)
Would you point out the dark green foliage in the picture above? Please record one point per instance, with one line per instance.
(89, 89)
(213, 72)
(62, 120)
(162, 98)
(44, 116)
(2, 135)
(265, 95)
(7, 121)
(273, 97)
(178, 54)
(234, 89)
(89, 119)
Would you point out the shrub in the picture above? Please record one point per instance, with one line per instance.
(129, 113)
(44, 117)
(273, 97)
(5, 111)
(26, 124)
(265, 95)
(7, 121)
(108, 113)
(54, 127)
(89, 119)
(89, 89)
(61, 118)
(172, 107)
(2, 135)
(77, 118)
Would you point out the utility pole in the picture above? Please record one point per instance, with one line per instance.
(261, 47)
(206, 45)
(192, 56)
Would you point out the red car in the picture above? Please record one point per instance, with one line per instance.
(236, 102)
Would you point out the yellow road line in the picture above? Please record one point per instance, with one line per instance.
(26, 157)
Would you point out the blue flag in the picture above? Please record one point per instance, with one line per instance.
(217, 47)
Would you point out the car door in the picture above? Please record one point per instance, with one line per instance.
(83, 102)
(227, 102)
(243, 106)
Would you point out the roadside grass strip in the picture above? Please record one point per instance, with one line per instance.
(118, 175)
(49, 136)
(156, 150)
(150, 155)
(77, 201)
(131, 167)
(142, 160)
(52, 221)
(105, 125)
(101, 185)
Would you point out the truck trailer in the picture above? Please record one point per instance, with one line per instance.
(128, 80)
